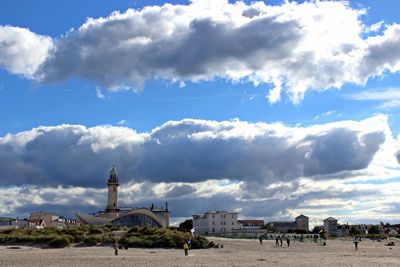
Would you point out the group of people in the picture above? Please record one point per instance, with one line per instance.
(278, 241)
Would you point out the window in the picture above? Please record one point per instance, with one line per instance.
(213, 223)
(232, 216)
(213, 216)
(232, 223)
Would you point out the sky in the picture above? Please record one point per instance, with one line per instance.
(270, 109)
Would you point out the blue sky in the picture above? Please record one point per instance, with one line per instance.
(121, 102)
(74, 101)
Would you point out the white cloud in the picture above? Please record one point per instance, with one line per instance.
(389, 97)
(123, 122)
(325, 114)
(292, 47)
(21, 51)
(99, 93)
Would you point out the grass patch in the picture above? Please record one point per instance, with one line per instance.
(143, 237)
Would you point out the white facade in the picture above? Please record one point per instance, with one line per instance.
(215, 222)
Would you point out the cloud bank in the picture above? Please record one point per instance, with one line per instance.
(257, 169)
(188, 151)
(291, 47)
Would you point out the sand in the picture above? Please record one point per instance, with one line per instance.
(234, 253)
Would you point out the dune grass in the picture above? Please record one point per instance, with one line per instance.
(143, 237)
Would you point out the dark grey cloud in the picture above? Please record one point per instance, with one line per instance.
(382, 53)
(207, 49)
(186, 151)
(342, 149)
(180, 190)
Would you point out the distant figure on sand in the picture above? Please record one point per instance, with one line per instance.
(280, 240)
(288, 241)
(116, 247)
(260, 238)
(186, 248)
(277, 241)
(355, 244)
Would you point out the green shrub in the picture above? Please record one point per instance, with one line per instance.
(95, 231)
(200, 242)
(109, 240)
(160, 237)
(138, 242)
(60, 242)
(74, 230)
(78, 238)
(92, 240)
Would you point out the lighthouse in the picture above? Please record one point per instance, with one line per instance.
(113, 184)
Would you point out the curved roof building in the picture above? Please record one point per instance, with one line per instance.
(155, 217)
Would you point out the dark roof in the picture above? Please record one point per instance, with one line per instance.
(253, 221)
(93, 220)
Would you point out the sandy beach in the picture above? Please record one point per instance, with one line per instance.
(234, 253)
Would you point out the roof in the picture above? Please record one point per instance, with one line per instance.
(92, 220)
(143, 211)
(45, 212)
(330, 219)
(293, 222)
(253, 221)
(219, 211)
(302, 216)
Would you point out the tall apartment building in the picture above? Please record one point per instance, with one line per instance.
(331, 225)
(215, 222)
(300, 223)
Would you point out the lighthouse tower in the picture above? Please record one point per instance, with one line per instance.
(113, 184)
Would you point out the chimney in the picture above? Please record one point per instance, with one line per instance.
(166, 206)
(152, 206)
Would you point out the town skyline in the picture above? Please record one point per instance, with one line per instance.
(270, 109)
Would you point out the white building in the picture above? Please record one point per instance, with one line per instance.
(215, 222)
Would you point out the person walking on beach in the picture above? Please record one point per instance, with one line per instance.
(288, 241)
(116, 247)
(186, 248)
(355, 244)
(280, 240)
(277, 241)
(260, 238)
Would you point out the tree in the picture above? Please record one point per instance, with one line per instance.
(374, 230)
(354, 231)
(186, 225)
